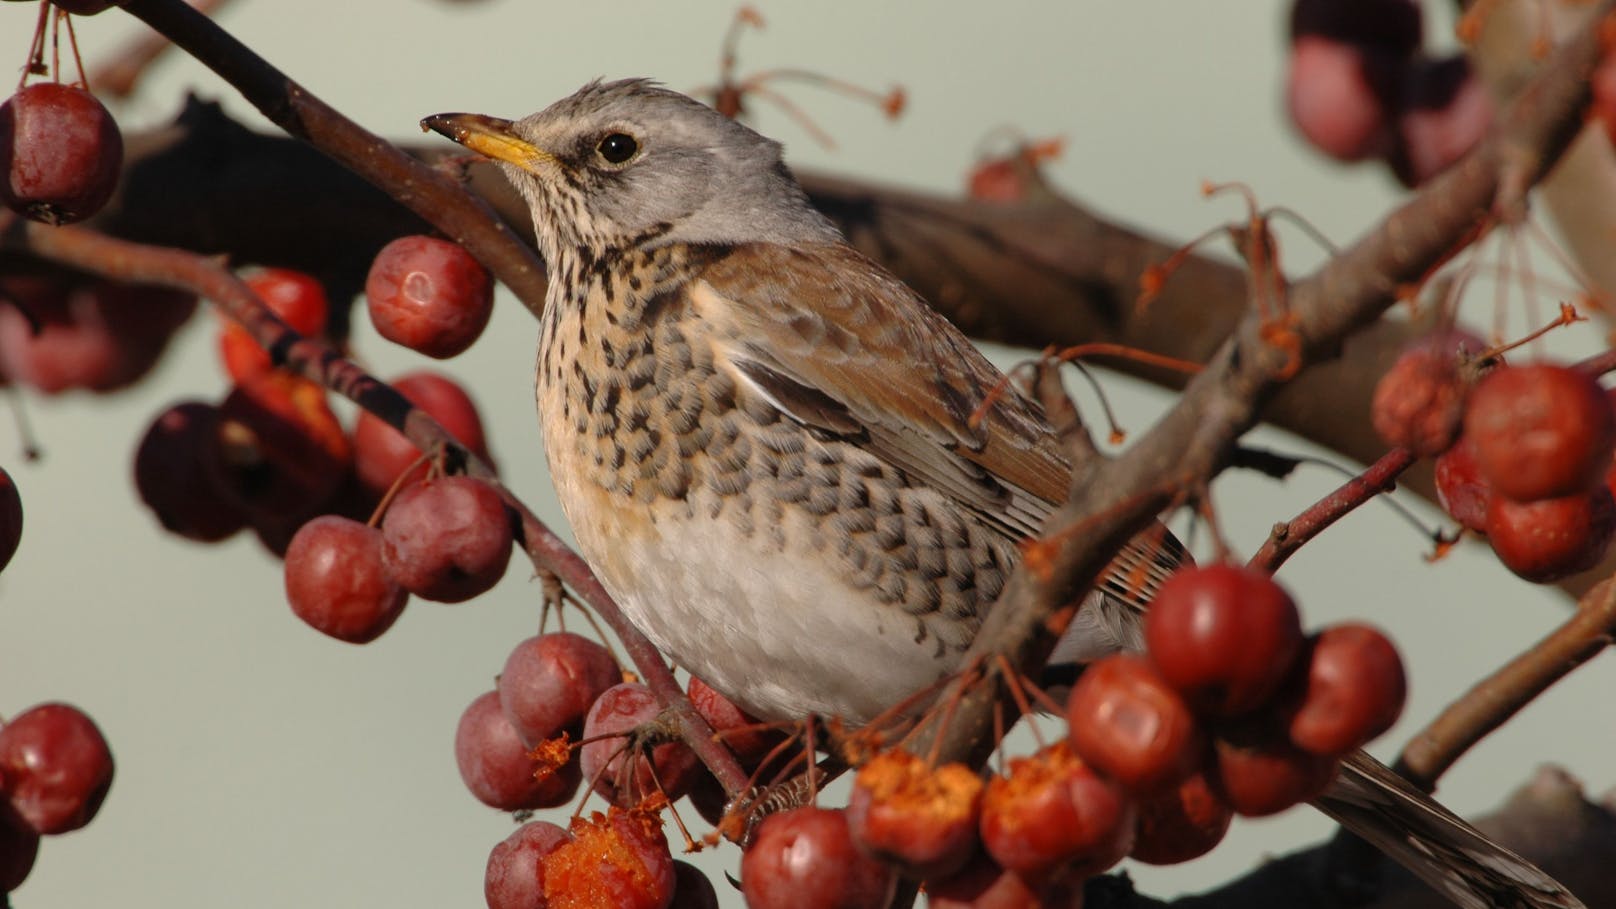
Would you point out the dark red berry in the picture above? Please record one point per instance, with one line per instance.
(1541, 431)
(19, 846)
(495, 766)
(1548, 539)
(1419, 402)
(60, 153)
(550, 681)
(448, 539)
(56, 767)
(1180, 824)
(174, 481)
(514, 878)
(10, 519)
(1353, 691)
(336, 583)
(805, 859)
(609, 749)
(278, 449)
(1259, 773)
(1125, 721)
(382, 454)
(1460, 488)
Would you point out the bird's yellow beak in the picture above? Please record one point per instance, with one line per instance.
(491, 137)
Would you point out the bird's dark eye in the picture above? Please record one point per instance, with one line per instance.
(616, 148)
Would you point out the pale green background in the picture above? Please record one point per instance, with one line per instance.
(261, 765)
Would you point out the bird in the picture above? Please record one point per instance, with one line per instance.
(774, 454)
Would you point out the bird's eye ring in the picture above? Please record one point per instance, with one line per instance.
(616, 148)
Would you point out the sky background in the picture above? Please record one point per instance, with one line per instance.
(260, 764)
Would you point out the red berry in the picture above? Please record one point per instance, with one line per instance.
(921, 819)
(297, 298)
(336, 583)
(447, 540)
(1419, 402)
(609, 748)
(620, 860)
(1548, 539)
(382, 454)
(495, 766)
(278, 449)
(1259, 773)
(1354, 690)
(429, 295)
(56, 767)
(19, 846)
(1338, 96)
(1224, 636)
(173, 480)
(984, 885)
(1460, 488)
(1052, 813)
(1445, 112)
(805, 859)
(550, 681)
(744, 734)
(1541, 431)
(692, 889)
(10, 520)
(60, 152)
(1125, 721)
(100, 337)
(514, 878)
(1180, 824)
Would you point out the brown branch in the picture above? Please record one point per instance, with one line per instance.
(1194, 440)
(1289, 536)
(92, 252)
(430, 194)
(1493, 700)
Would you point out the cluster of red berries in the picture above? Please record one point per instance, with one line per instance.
(55, 770)
(1231, 711)
(1360, 88)
(1523, 457)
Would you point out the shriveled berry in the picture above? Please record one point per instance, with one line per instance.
(60, 153)
(550, 681)
(495, 766)
(336, 583)
(1548, 539)
(1542, 431)
(805, 858)
(56, 767)
(448, 539)
(1224, 636)
(1419, 402)
(1124, 720)
(429, 295)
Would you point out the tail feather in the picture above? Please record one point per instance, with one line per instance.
(1436, 845)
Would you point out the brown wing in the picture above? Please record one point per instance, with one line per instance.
(842, 346)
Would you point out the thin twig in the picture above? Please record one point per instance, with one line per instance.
(1288, 537)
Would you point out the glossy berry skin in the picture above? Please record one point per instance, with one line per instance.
(1541, 431)
(429, 295)
(55, 766)
(1353, 691)
(335, 581)
(550, 681)
(1224, 636)
(60, 153)
(805, 859)
(1460, 488)
(447, 540)
(1051, 814)
(1125, 721)
(298, 299)
(494, 764)
(1549, 539)
(382, 454)
(10, 519)
(610, 759)
(514, 878)
(1180, 824)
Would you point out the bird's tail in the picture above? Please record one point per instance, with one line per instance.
(1438, 846)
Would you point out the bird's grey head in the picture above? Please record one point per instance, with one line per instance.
(629, 163)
